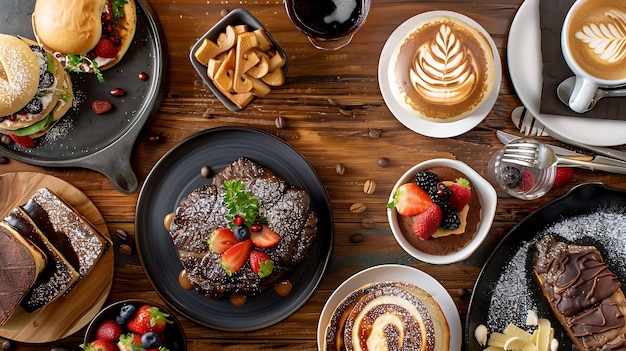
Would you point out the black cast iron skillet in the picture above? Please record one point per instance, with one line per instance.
(102, 143)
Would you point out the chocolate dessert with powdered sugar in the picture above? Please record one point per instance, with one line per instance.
(286, 210)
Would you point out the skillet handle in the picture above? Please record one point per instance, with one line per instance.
(114, 163)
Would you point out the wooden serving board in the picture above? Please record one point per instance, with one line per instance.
(65, 315)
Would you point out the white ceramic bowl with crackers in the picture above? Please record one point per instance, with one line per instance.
(486, 195)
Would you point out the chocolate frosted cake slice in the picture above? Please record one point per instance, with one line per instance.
(56, 278)
(584, 295)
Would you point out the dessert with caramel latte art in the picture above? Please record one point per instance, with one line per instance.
(444, 69)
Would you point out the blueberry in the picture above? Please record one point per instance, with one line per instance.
(126, 313)
(242, 232)
(150, 340)
(511, 176)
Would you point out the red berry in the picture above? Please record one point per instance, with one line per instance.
(238, 220)
(117, 92)
(265, 238)
(143, 76)
(410, 200)
(256, 227)
(109, 330)
(426, 223)
(148, 319)
(527, 182)
(236, 256)
(261, 263)
(105, 49)
(461, 194)
(221, 240)
(101, 106)
(101, 345)
(563, 176)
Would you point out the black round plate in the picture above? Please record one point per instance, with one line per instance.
(177, 174)
(580, 200)
(81, 138)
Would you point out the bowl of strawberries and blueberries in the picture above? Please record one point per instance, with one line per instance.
(134, 325)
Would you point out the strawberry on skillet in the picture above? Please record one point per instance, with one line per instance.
(409, 200)
(148, 319)
(461, 194)
(426, 223)
(261, 263)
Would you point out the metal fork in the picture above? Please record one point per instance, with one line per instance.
(527, 123)
(540, 156)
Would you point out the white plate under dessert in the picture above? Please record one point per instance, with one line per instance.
(408, 118)
(400, 273)
(525, 66)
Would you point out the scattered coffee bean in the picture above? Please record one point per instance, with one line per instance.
(369, 187)
(374, 133)
(340, 168)
(358, 207)
(206, 171)
(384, 162)
(122, 234)
(4, 160)
(279, 122)
(117, 92)
(367, 223)
(332, 102)
(143, 76)
(356, 238)
(345, 112)
(6, 140)
(224, 12)
(463, 293)
(101, 107)
(126, 250)
(7, 345)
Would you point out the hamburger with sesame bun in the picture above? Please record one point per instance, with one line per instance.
(85, 35)
(35, 91)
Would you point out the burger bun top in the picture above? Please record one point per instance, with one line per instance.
(68, 26)
(19, 74)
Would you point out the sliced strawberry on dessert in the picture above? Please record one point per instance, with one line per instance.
(221, 240)
(426, 223)
(109, 330)
(563, 176)
(409, 200)
(23, 141)
(236, 256)
(148, 319)
(461, 194)
(105, 49)
(261, 263)
(265, 238)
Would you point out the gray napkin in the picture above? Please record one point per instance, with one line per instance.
(555, 70)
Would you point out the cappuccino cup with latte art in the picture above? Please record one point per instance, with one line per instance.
(593, 41)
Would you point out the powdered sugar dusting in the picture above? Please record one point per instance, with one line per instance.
(20, 72)
(514, 293)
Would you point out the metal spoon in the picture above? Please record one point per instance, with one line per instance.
(564, 91)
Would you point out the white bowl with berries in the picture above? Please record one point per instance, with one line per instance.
(134, 324)
(441, 210)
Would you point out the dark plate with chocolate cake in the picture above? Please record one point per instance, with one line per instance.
(177, 175)
(589, 214)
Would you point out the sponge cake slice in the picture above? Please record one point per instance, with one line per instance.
(21, 262)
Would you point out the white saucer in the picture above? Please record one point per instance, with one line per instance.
(407, 117)
(525, 67)
(400, 273)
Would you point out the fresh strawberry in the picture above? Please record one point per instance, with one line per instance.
(409, 200)
(105, 49)
(236, 256)
(221, 240)
(109, 330)
(527, 182)
(130, 342)
(266, 238)
(99, 345)
(426, 223)
(23, 141)
(261, 263)
(148, 319)
(461, 194)
(563, 176)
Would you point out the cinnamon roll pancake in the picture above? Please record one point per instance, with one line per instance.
(444, 69)
(389, 315)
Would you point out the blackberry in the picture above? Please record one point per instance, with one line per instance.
(450, 219)
(441, 195)
(427, 180)
(46, 80)
(34, 106)
(511, 176)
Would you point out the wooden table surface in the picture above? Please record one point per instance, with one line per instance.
(334, 113)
